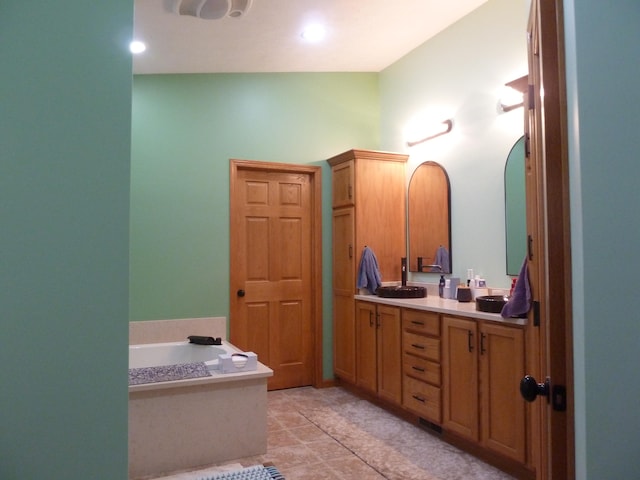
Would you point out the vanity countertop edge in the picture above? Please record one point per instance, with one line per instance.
(442, 305)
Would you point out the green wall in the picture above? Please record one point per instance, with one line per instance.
(65, 129)
(603, 45)
(459, 74)
(185, 130)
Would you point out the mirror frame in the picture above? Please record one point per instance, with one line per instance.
(417, 223)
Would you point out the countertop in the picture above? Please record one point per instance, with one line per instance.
(440, 305)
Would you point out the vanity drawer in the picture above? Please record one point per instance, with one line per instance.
(422, 399)
(421, 369)
(426, 323)
(425, 347)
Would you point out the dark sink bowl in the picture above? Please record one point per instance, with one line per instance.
(490, 303)
(400, 291)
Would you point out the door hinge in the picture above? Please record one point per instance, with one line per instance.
(536, 313)
(532, 99)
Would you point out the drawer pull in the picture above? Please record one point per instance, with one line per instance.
(415, 322)
(419, 398)
(419, 347)
(419, 369)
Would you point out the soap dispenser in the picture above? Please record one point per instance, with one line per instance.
(441, 286)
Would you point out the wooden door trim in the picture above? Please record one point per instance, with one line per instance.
(556, 430)
(315, 174)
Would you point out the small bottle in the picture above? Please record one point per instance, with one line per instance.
(441, 286)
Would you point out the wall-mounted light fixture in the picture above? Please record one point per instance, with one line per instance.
(431, 131)
(513, 94)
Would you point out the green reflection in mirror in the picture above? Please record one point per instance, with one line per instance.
(515, 208)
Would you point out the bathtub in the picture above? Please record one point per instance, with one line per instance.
(171, 353)
(183, 424)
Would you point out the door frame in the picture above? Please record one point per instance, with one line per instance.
(315, 176)
(551, 344)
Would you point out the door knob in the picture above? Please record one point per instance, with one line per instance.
(240, 293)
(530, 388)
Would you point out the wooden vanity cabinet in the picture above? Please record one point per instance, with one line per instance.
(421, 382)
(369, 209)
(482, 364)
(378, 350)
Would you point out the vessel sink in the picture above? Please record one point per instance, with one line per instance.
(490, 303)
(401, 291)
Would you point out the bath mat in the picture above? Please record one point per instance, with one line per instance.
(167, 373)
(259, 472)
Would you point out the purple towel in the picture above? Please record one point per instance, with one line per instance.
(368, 272)
(520, 300)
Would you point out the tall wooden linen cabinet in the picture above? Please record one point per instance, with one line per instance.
(369, 209)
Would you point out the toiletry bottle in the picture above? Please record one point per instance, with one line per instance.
(441, 286)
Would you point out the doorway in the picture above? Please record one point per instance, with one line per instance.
(276, 268)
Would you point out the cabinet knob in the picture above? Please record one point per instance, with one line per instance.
(240, 293)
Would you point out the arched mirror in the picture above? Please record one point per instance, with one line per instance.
(515, 208)
(429, 220)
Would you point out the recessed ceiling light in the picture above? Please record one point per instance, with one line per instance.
(314, 33)
(137, 47)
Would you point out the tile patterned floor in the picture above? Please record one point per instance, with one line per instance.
(301, 450)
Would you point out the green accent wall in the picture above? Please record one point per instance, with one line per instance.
(185, 130)
(602, 48)
(460, 74)
(65, 127)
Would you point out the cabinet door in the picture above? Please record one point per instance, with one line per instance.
(344, 263)
(344, 334)
(460, 377)
(366, 357)
(389, 340)
(503, 409)
(342, 177)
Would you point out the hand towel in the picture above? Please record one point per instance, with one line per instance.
(368, 272)
(519, 302)
(442, 259)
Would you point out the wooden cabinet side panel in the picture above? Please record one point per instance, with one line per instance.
(381, 214)
(460, 377)
(344, 337)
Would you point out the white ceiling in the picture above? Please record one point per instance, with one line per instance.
(362, 35)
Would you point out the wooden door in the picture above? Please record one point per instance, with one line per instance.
(274, 269)
(503, 409)
(366, 365)
(549, 330)
(460, 377)
(389, 353)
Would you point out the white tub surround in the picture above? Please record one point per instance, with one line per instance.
(184, 424)
(159, 331)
